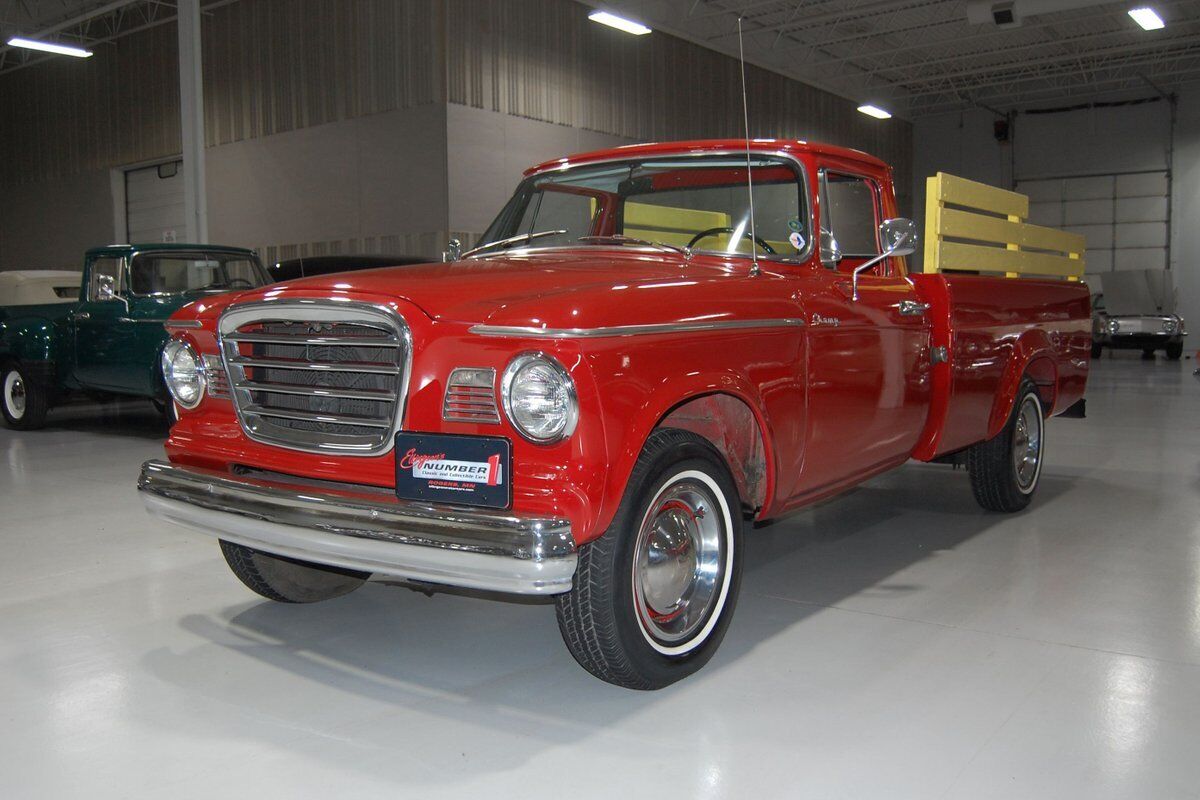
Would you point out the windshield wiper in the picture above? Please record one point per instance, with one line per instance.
(620, 238)
(521, 237)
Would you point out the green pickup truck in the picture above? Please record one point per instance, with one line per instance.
(111, 339)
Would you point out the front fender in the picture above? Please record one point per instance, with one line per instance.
(642, 387)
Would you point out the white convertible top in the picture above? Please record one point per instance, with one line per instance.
(29, 287)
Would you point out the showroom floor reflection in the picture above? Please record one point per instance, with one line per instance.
(896, 642)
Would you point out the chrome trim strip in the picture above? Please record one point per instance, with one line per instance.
(317, 391)
(529, 332)
(267, 338)
(322, 366)
(181, 324)
(308, 416)
(476, 548)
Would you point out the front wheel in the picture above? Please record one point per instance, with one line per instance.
(1097, 350)
(24, 402)
(653, 596)
(1005, 470)
(289, 580)
(1175, 351)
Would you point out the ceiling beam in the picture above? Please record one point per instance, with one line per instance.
(79, 19)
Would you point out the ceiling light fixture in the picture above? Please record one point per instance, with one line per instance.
(620, 23)
(874, 111)
(1148, 18)
(50, 47)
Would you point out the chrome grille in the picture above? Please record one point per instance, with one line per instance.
(471, 396)
(317, 376)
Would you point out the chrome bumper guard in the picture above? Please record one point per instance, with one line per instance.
(475, 548)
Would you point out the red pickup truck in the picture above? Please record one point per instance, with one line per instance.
(598, 400)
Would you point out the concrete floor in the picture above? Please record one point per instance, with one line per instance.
(897, 642)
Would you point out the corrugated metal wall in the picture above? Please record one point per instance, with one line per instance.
(269, 66)
(64, 117)
(277, 65)
(543, 59)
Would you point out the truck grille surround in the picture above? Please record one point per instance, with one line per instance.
(317, 376)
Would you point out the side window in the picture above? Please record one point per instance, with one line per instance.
(110, 267)
(850, 211)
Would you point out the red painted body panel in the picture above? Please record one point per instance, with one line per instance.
(834, 404)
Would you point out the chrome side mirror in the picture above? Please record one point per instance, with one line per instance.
(106, 288)
(831, 252)
(454, 250)
(899, 238)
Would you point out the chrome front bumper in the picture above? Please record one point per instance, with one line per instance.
(478, 548)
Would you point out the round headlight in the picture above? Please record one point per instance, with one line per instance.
(539, 398)
(1113, 326)
(1169, 326)
(183, 373)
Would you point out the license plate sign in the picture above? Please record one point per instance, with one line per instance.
(442, 468)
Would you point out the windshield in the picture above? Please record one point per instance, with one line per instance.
(174, 273)
(700, 202)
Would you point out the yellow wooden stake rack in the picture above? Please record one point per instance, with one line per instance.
(973, 227)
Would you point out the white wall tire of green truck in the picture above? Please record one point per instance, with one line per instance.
(1006, 470)
(653, 596)
(288, 580)
(23, 400)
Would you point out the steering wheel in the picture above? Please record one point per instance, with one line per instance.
(233, 282)
(761, 242)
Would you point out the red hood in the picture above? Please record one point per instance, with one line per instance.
(559, 289)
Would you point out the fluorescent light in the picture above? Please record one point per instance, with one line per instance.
(620, 23)
(1148, 18)
(50, 47)
(874, 111)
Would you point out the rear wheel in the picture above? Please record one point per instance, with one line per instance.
(1097, 350)
(653, 596)
(288, 580)
(1175, 351)
(1148, 354)
(23, 402)
(1005, 470)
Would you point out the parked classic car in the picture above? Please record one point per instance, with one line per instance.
(311, 266)
(597, 402)
(37, 287)
(110, 338)
(1147, 332)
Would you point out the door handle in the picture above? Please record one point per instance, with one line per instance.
(82, 315)
(911, 308)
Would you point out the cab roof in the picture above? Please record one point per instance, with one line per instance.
(703, 146)
(129, 249)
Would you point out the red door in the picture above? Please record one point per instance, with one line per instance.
(868, 365)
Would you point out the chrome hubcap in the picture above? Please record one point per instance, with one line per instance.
(679, 562)
(1027, 443)
(14, 394)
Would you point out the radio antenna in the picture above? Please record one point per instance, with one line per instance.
(749, 179)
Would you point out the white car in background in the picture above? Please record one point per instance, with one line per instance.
(1135, 311)
(36, 287)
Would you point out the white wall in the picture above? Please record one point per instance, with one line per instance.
(50, 223)
(378, 177)
(1090, 141)
(488, 152)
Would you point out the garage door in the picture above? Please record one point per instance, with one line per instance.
(1123, 216)
(154, 203)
